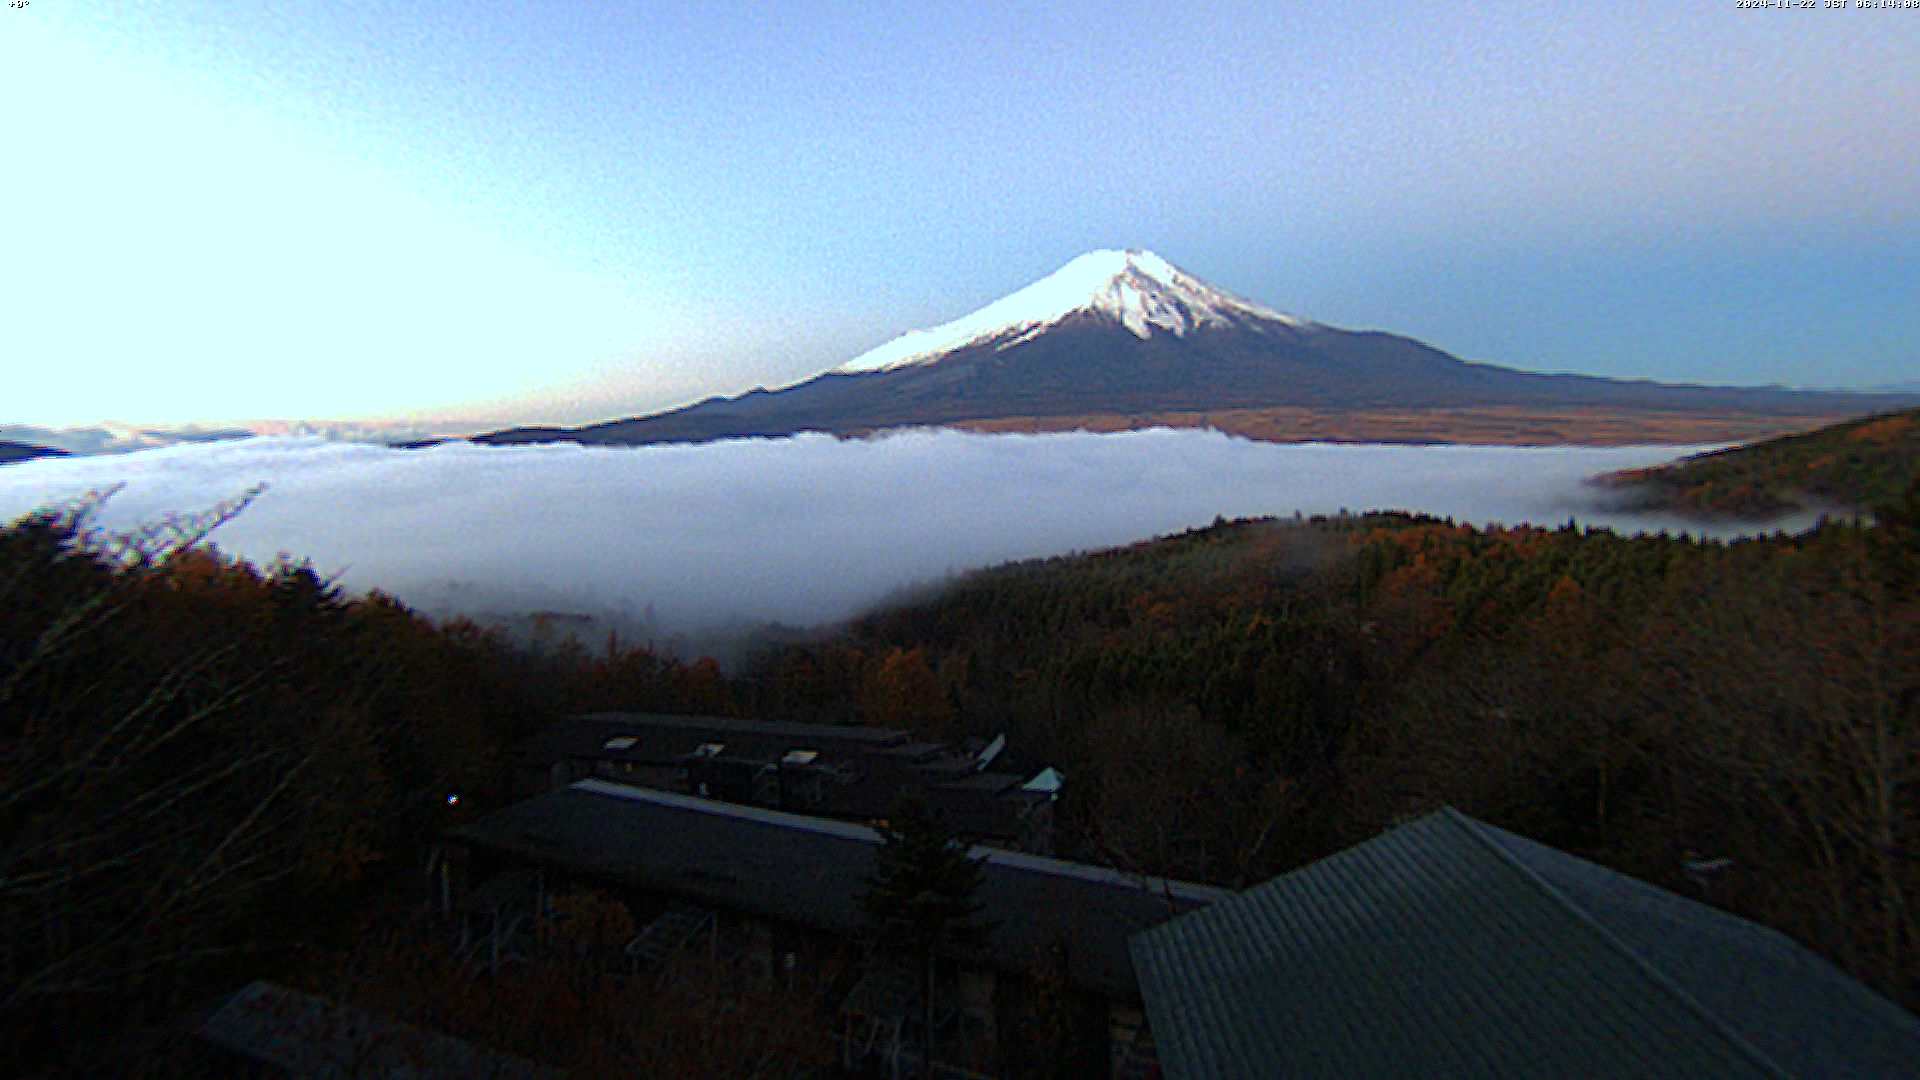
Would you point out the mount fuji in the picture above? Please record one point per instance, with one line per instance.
(1118, 339)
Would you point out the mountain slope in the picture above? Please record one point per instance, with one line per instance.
(1128, 332)
(1850, 467)
(18, 451)
(1136, 289)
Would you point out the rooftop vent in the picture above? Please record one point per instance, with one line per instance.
(620, 742)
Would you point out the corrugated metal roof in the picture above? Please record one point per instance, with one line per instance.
(1450, 948)
(810, 871)
(1801, 1011)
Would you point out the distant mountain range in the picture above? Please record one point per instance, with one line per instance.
(122, 438)
(1119, 339)
(15, 451)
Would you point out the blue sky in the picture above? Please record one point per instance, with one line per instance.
(230, 212)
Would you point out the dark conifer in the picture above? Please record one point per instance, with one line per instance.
(920, 899)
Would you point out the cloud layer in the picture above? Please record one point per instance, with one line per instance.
(801, 531)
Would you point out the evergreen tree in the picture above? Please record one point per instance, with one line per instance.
(920, 898)
(1896, 539)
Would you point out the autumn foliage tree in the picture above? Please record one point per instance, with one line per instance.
(1239, 700)
(200, 760)
(902, 691)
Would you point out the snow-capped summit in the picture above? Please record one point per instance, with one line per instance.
(1126, 338)
(1137, 289)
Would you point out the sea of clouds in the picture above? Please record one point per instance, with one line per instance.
(686, 540)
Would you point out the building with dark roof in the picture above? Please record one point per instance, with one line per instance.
(845, 772)
(1449, 948)
(790, 886)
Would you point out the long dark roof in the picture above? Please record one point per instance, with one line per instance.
(1450, 948)
(810, 871)
(876, 765)
(670, 734)
(852, 732)
(315, 1039)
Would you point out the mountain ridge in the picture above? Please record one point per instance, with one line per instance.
(18, 451)
(1136, 288)
(1116, 332)
(1847, 468)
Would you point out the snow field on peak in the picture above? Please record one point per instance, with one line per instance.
(1138, 289)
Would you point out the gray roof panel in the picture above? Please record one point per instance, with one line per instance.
(809, 870)
(1801, 1011)
(1436, 951)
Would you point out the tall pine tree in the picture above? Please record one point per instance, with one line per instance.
(920, 899)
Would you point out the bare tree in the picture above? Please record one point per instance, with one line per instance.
(1795, 700)
(1159, 790)
(135, 810)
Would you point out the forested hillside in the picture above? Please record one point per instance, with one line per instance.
(1240, 700)
(1847, 467)
(212, 771)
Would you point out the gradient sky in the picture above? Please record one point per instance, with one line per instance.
(227, 212)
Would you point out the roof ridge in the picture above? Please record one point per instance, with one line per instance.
(1477, 829)
(858, 732)
(847, 830)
